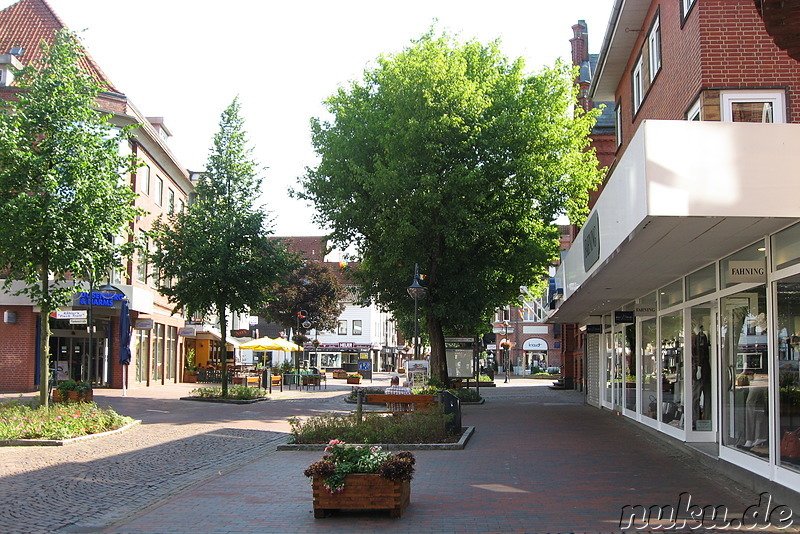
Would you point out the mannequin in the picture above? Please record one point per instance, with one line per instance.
(701, 376)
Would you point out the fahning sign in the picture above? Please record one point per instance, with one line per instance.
(743, 272)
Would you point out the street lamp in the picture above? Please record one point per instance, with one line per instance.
(298, 338)
(416, 291)
(506, 347)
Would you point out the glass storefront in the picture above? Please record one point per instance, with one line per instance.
(649, 369)
(671, 382)
(788, 344)
(701, 372)
(745, 380)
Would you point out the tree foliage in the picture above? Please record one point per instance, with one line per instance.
(62, 192)
(218, 256)
(451, 156)
(315, 288)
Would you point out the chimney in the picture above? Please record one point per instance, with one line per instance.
(580, 43)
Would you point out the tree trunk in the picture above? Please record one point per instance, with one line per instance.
(44, 338)
(223, 325)
(438, 360)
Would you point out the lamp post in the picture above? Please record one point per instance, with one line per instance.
(506, 347)
(301, 315)
(416, 291)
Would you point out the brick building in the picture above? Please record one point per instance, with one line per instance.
(162, 185)
(686, 275)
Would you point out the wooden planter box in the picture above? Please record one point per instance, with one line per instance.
(363, 492)
(73, 396)
(353, 380)
(340, 374)
(189, 379)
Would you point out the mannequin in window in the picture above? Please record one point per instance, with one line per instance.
(701, 376)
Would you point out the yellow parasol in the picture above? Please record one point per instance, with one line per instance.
(267, 343)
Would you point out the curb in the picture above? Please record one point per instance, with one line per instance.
(61, 442)
(460, 445)
(224, 401)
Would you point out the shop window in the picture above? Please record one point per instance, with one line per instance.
(749, 258)
(357, 327)
(753, 106)
(672, 352)
(702, 282)
(786, 247)
(671, 294)
(745, 372)
(342, 330)
(788, 342)
(649, 369)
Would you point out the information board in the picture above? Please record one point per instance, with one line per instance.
(459, 363)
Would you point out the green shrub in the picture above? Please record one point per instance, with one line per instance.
(234, 392)
(353, 396)
(413, 427)
(466, 395)
(60, 421)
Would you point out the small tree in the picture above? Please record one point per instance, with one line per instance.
(62, 198)
(219, 252)
(314, 288)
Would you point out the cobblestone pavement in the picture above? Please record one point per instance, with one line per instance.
(539, 461)
(83, 486)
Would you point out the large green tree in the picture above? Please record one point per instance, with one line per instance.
(451, 156)
(62, 194)
(218, 256)
(314, 288)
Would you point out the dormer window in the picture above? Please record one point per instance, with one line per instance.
(8, 62)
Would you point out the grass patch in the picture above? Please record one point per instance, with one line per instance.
(21, 420)
(414, 427)
(234, 392)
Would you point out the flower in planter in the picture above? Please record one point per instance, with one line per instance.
(354, 375)
(341, 459)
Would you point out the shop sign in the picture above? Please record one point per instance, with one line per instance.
(187, 331)
(71, 314)
(78, 321)
(243, 332)
(594, 329)
(143, 324)
(534, 343)
(645, 311)
(743, 272)
(99, 299)
(624, 316)
(591, 242)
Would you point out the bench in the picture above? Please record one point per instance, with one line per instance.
(418, 401)
(246, 380)
(276, 380)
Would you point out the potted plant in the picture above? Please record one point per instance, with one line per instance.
(355, 477)
(353, 378)
(190, 367)
(73, 391)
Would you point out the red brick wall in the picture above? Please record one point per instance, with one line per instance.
(721, 44)
(18, 351)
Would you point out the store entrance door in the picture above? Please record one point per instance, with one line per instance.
(69, 355)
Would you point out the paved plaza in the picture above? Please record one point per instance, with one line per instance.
(539, 461)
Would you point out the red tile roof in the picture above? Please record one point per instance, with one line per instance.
(27, 23)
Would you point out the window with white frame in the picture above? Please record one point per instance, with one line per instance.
(159, 191)
(686, 5)
(144, 178)
(342, 331)
(654, 47)
(753, 106)
(171, 201)
(141, 266)
(694, 112)
(618, 124)
(357, 327)
(637, 85)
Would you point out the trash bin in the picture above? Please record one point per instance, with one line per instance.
(451, 405)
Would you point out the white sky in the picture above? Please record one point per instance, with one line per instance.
(185, 60)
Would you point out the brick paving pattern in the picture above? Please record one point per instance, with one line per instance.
(539, 461)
